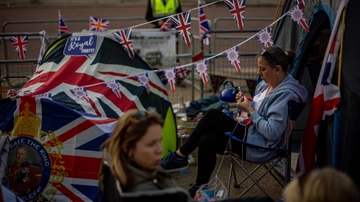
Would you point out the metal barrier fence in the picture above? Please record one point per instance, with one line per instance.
(14, 72)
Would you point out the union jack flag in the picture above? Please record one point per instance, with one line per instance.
(144, 80)
(202, 69)
(302, 4)
(326, 97)
(20, 45)
(232, 54)
(297, 15)
(203, 25)
(98, 24)
(170, 74)
(237, 10)
(62, 26)
(166, 26)
(124, 38)
(265, 37)
(182, 22)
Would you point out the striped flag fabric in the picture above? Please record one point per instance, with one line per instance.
(166, 26)
(326, 98)
(182, 22)
(62, 26)
(124, 38)
(203, 25)
(98, 24)
(237, 10)
(297, 15)
(20, 44)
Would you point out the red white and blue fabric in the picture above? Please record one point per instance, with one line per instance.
(144, 80)
(80, 92)
(203, 25)
(170, 74)
(166, 26)
(182, 22)
(297, 15)
(98, 24)
(114, 86)
(62, 26)
(124, 38)
(326, 97)
(302, 4)
(265, 37)
(181, 72)
(232, 54)
(44, 96)
(237, 10)
(11, 93)
(20, 45)
(202, 69)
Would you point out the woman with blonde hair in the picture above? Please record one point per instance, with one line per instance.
(321, 185)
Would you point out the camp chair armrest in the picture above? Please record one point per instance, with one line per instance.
(233, 137)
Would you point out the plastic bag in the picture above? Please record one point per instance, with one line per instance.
(214, 190)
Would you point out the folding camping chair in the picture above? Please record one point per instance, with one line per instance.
(283, 152)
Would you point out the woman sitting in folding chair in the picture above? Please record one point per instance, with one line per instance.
(268, 117)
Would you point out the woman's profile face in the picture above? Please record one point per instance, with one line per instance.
(265, 71)
(148, 150)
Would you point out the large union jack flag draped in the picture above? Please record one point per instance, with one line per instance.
(203, 25)
(20, 45)
(62, 26)
(166, 26)
(265, 37)
(237, 10)
(98, 24)
(124, 38)
(182, 22)
(202, 69)
(297, 15)
(232, 54)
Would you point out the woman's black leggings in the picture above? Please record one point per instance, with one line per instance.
(209, 138)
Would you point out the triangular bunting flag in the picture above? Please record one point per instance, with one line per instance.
(203, 25)
(114, 86)
(124, 38)
(182, 22)
(98, 24)
(297, 15)
(20, 45)
(232, 54)
(166, 26)
(201, 68)
(62, 26)
(144, 80)
(181, 72)
(170, 74)
(237, 10)
(80, 92)
(216, 82)
(302, 4)
(265, 37)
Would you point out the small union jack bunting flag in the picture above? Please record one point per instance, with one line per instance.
(232, 54)
(114, 86)
(203, 25)
(20, 45)
(297, 15)
(182, 22)
(170, 74)
(144, 80)
(166, 26)
(80, 92)
(237, 10)
(62, 26)
(202, 69)
(265, 37)
(181, 72)
(98, 24)
(124, 38)
(302, 4)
